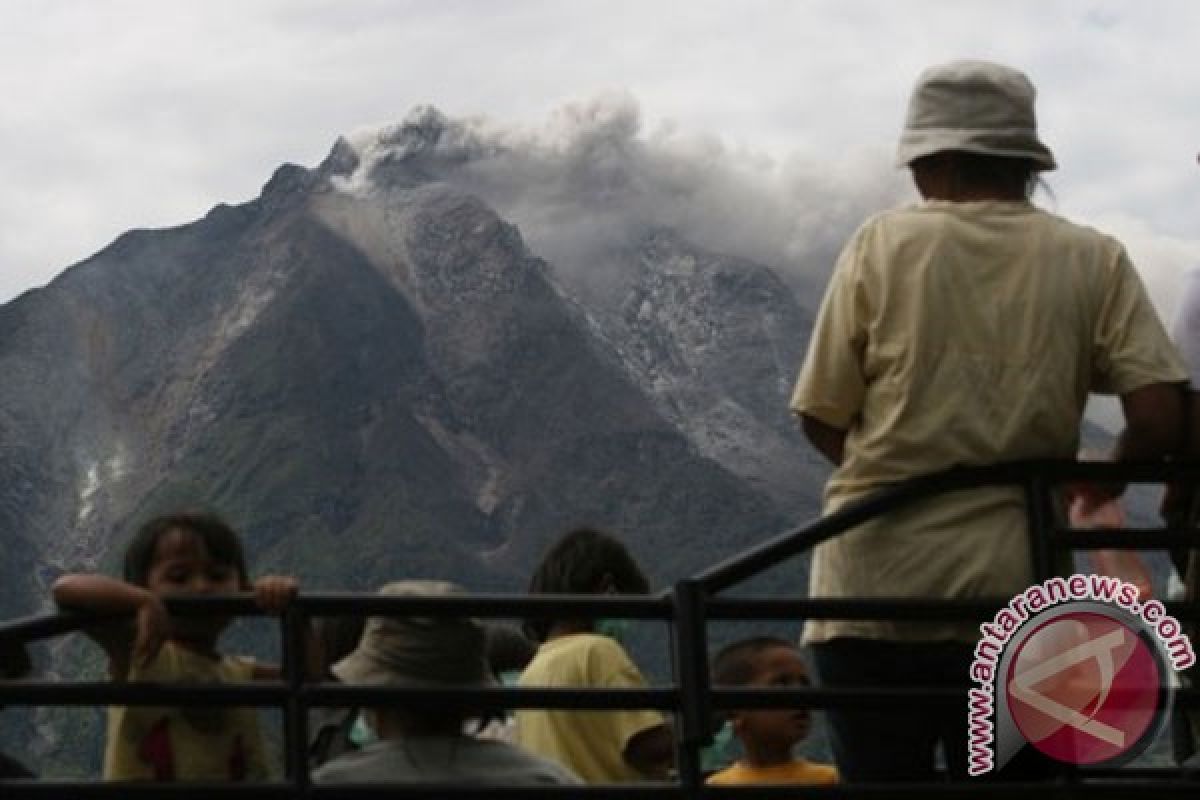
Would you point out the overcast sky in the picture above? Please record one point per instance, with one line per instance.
(116, 115)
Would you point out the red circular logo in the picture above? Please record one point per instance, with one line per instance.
(1084, 688)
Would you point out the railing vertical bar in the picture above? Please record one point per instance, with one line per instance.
(1045, 549)
(1039, 505)
(295, 712)
(691, 669)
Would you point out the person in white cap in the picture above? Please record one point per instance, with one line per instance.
(967, 329)
(428, 746)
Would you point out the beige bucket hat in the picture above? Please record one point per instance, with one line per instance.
(974, 106)
(418, 652)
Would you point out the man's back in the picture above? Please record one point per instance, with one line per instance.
(959, 334)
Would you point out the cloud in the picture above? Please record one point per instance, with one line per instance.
(136, 113)
(590, 183)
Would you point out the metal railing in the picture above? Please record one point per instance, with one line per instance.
(687, 608)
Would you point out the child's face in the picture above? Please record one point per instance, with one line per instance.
(182, 565)
(776, 667)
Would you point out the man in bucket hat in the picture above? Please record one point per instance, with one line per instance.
(964, 330)
(422, 745)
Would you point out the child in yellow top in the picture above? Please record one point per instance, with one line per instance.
(598, 746)
(767, 735)
(180, 554)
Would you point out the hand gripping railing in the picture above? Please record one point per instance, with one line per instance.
(687, 608)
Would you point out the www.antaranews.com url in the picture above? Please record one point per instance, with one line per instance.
(1034, 600)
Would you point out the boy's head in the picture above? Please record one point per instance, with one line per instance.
(764, 662)
(213, 536)
(585, 561)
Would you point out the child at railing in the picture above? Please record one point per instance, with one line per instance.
(185, 554)
(599, 746)
(767, 735)
(419, 745)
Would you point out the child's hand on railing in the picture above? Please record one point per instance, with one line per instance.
(274, 592)
(152, 627)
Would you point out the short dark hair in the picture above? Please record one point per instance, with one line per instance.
(1017, 177)
(578, 563)
(734, 664)
(220, 540)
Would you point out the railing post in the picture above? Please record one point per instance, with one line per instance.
(1039, 505)
(690, 653)
(295, 712)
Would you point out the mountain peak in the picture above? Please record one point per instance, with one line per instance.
(421, 149)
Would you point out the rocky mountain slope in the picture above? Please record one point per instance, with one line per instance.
(387, 381)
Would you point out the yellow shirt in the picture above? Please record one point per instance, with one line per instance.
(589, 743)
(956, 334)
(798, 771)
(186, 743)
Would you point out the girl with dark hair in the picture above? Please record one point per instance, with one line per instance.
(599, 746)
(185, 554)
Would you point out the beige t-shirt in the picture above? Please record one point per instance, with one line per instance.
(590, 743)
(956, 334)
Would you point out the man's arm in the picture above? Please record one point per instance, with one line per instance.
(651, 752)
(1154, 423)
(1154, 429)
(828, 440)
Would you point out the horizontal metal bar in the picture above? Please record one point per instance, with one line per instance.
(545, 606)
(1129, 538)
(1139, 784)
(101, 790)
(905, 608)
(865, 698)
(891, 608)
(628, 791)
(665, 698)
(336, 695)
(141, 694)
(58, 790)
(322, 695)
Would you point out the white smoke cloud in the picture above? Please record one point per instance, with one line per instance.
(592, 181)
